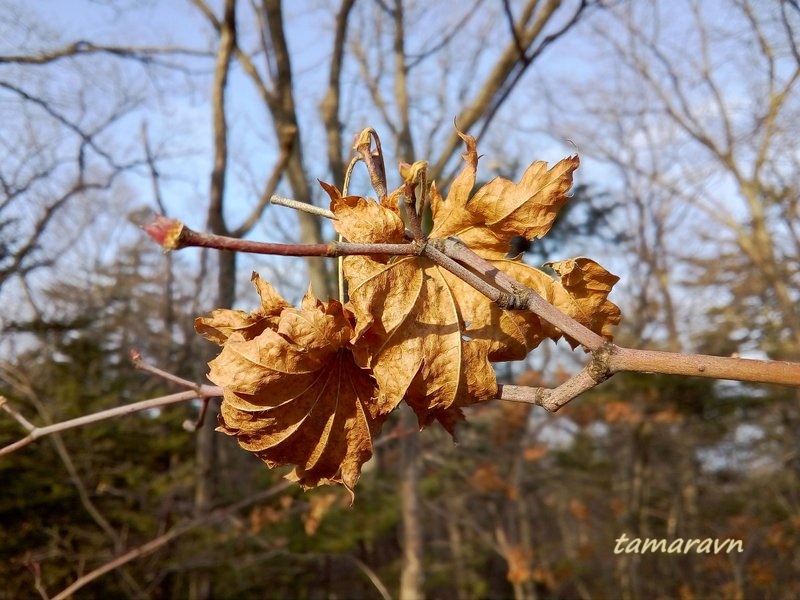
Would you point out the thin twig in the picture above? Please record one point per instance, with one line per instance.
(192, 426)
(23, 386)
(204, 391)
(372, 576)
(139, 363)
(27, 425)
(174, 235)
(302, 206)
(206, 519)
(167, 537)
(269, 187)
(552, 399)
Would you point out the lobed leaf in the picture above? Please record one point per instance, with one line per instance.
(581, 293)
(501, 209)
(224, 322)
(411, 335)
(429, 337)
(312, 386)
(293, 393)
(409, 331)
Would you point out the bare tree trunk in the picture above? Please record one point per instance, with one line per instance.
(457, 550)
(412, 577)
(206, 452)
(284, 116)
(520, 509)
(329, 108)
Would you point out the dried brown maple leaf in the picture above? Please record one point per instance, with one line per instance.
(501, 209)
(293, 393)
(511, 335)
(409, 330)
(223, 322)
(583, 294)
(427, 335)
(487, 221)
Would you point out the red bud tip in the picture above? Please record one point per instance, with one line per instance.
(165, 232)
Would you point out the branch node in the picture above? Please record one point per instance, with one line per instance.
(546, 401)
(541, 396)
(599, 368)
(437, 243)
(515, 301)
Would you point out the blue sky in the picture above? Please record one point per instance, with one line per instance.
(531, 126)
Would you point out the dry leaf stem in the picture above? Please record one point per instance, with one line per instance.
(521, 296)
(373, 159)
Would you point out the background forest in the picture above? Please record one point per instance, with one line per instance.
(686, 115)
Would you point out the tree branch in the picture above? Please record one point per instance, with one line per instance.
(35, 433)
(143, 54)
(269, 188)
(174, 235)
(701, 365)
(507, 71)
(183, 528)
(509, 294)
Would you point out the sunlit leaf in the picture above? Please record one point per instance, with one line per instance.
(294, 395)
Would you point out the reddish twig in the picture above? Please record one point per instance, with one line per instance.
(174, 235)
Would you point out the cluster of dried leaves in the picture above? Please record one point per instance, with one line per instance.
(312, 386)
